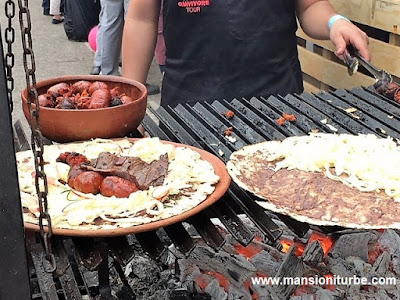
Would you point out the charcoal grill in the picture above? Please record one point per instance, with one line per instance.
(203, 125)
(360, 110)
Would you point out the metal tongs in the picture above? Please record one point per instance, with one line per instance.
(353, 59)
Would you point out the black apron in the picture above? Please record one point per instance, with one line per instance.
(225, 49)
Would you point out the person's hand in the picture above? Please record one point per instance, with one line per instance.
(344, 33)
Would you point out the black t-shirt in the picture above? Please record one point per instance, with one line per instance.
(224, 49)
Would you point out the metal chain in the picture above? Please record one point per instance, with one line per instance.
(49, 262)
(9, 34)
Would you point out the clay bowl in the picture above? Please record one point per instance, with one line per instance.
(66, 125)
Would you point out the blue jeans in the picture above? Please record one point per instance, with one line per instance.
(46, 5)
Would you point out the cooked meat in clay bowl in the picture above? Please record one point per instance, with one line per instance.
(79, 107)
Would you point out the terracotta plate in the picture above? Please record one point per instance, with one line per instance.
(220, 188)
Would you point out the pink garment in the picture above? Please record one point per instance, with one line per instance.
(160, 45)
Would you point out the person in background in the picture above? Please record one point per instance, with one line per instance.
(55, 11)
(46, 7)
(97, 56)
(109, 36)
(220, 49)
(160, 45)
(109, 40)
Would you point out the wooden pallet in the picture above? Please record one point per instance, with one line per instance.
(321, 68)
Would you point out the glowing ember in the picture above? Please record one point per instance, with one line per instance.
(325, 241)
(247, 285)
(249, 251)
(201, 281)
(223, 281)
(303, 290)
(286, 244)
(374, 253)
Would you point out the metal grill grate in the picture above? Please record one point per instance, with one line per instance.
(202, 125)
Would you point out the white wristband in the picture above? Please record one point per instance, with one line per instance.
(334, 18)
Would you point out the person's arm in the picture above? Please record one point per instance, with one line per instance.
(314, 15)
(139, 38)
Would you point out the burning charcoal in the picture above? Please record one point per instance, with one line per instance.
(261, 291)
(361, 268)
(187, 270)
(354, 244)
(353, 292)
(239, 293)
(381, 265)
(124, 292)
(390, 241)
(313, 254)
(121, 250)
(382, 295)
(166, 258)
(265, 263)
(397, 292)
(89, 255)
(292, 267)
(303, 297)
(235, 268)
(338, 266)
(91, 278)
(215, 290)
(324, 294)
(173, 295)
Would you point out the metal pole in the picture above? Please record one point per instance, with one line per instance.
(14, 275)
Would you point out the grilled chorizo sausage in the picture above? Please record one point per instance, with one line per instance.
(117, 186)
(100, 99)
(72, 158)
(46, 100)
(88, 182)
(396, 96)
(80, 86)
(97, 85)
(114, 92)
(126, 99)
(74, 171)
(58, 89)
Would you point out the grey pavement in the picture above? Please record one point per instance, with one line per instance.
(54, 55)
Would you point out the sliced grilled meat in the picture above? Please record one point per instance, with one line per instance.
(142, 174)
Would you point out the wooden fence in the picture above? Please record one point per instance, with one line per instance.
(322, 70)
